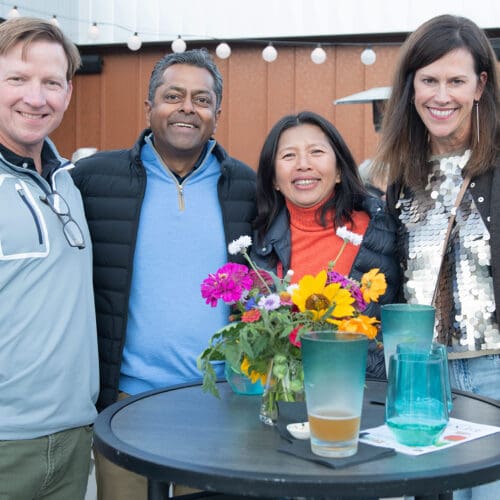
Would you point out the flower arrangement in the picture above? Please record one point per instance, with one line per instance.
(262, 339)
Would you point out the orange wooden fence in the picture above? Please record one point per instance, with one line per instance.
(107, 109)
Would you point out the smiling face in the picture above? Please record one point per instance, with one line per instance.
(183, 115)
(444, 98)
(34, 95)
(305, 166)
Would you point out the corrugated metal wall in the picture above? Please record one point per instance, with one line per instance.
(107, 109)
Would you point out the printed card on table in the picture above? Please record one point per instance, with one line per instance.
(456, 432)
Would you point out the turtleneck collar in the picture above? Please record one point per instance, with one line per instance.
(304, 218)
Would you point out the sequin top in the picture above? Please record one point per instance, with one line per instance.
(465, 306)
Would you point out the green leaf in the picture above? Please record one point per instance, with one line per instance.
(209, 381)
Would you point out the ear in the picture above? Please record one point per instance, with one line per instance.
(216, 119)
(147, 109)
(481, 83)
(68, 95)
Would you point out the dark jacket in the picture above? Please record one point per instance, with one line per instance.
(376, 250)
(485, 190)
(112, 185)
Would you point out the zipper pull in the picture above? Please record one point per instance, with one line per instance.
(180, 196)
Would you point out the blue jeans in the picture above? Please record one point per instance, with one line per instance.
(480, 376)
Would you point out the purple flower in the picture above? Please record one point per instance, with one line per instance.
(352, 286)
(228, 283)
(358, 297)
(335, 277)
(250, 304)
(270, 302)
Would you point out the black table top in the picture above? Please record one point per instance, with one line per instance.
(183, 435)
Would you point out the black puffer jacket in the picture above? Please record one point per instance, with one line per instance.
(378, 249)
(112, 185)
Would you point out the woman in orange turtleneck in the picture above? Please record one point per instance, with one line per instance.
(308, 187)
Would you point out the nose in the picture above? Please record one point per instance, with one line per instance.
(34, 95)
(302, 161)
(187, 105)
(442, 94)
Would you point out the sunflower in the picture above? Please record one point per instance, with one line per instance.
(320, 299)
(252, 375)
(373, 285)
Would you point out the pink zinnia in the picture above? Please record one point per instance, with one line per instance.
(228, 284)
(257, 280)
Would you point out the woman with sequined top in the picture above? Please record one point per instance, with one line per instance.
(441, 126)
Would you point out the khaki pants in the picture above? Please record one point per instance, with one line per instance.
(53, 467)
(116, 483)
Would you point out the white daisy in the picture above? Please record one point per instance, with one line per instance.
(349, 236)
(240, 245)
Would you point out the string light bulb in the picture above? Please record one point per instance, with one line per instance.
(178, 45)
(368, 56)
(318, 55)
(13, 13)
(134, 42)
(93, 32)
(269, 54)
(223, 50)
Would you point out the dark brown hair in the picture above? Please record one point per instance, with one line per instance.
(404, 146)
(347, 194)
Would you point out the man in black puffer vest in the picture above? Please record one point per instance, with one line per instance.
(161, 215)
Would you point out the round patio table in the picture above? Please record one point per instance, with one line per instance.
(183, 435)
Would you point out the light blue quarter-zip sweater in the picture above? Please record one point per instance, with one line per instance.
(180, 241)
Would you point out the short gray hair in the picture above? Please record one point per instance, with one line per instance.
(195, 57)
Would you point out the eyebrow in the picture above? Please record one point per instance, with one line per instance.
(313, 145)
(433, 75)
(10, 72)
(183, 90)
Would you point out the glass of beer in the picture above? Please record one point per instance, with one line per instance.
(334, 379)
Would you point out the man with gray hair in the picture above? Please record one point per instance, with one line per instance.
(48, 344)
(161, 215)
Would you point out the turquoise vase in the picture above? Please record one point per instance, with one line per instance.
(241, 384)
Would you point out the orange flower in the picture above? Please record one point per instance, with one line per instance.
(373, 285)
(360, 324)
(250, 316)
(253, 375)
(286, 298)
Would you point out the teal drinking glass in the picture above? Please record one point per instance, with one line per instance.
(334, 377)
(417, 394)
(434, 350)
(405, 323)
(440, 351)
